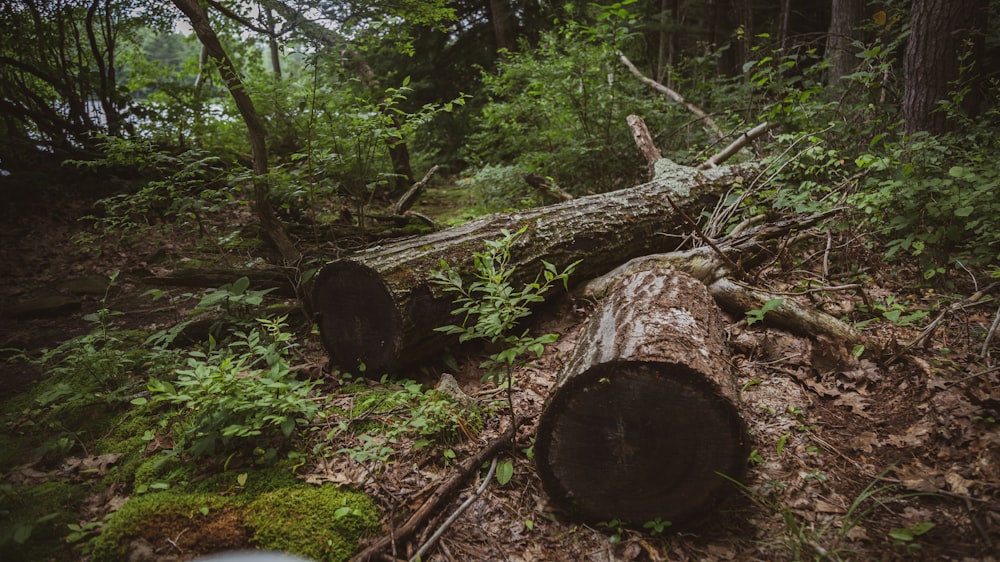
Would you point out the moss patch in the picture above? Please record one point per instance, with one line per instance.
(321, 523)
(271, 510)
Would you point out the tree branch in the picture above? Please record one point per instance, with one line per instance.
(710, 125)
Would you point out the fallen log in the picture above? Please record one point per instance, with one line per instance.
(642, 422)
(377, 308)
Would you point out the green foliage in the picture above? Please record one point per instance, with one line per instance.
(491, 308)
(186, 187)
(382, 418)
(505, 471)
(935, 198)
(502, 188)
(243, 394)
(35, 519)
(558, 110)
(757, 315)
(906, 537)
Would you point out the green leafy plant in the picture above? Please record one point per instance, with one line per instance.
(906, 537)
(656, 526)
(757, 315)
(381, 418)
(244, 393)
(491, 307)
(616, 527)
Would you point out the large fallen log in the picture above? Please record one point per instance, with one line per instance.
(378, 308)
(642, 422)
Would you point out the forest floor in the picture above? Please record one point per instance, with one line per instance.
(853, 458)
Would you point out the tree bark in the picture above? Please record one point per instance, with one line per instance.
(846, 16)
(255, 128)
(642, 422)
(378, 307)
(933, 57)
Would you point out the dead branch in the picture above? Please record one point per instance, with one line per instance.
(926, 334)
(735, 146)
(990, 335)
(714, 131)
(455, 515)
(550, 190)
(443, 493)
(410, 197)
(708, 266)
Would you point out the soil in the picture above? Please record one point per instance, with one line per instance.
(853, 457)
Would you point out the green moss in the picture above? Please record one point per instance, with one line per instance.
(257, 482)
(143, 514)
(34, 519)
(321, 523)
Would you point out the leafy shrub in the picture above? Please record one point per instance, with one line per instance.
(559, 110)
(242, 394)
(501, 188)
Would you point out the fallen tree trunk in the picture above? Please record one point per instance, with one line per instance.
(377, 308)
(642, 421)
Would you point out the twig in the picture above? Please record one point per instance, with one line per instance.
(729, 263)
(672, 95)
(440, 495)
(735, 146)
(933, 326)
(458, 512)
(989, 335)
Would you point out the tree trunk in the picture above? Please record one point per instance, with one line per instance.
(265, 213)
(642, 422)
(379, 308)
(845, 18)
(935, 52)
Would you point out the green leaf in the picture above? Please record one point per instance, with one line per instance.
(964, 211)
(904, 535)
(505, 471)
(241, 479)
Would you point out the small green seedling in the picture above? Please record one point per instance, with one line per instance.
(906, 536)
(757, 315)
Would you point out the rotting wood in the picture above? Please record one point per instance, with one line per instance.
(378, 307)
(643, 422)
(644, 140)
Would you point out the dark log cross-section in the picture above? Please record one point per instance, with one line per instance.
(643, 417)
(378, 308)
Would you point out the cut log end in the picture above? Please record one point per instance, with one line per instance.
(359, 321)
(637, 441)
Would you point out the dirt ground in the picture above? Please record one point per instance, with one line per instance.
(853, 458)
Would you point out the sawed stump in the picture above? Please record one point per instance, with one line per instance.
(643, 422)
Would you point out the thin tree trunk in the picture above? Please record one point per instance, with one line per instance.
(845, 18)
(255, 128)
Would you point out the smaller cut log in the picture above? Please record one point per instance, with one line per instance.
(643, 421)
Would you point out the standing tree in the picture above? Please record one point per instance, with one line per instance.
(255, 128)
(845, 17)
(942, 35)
